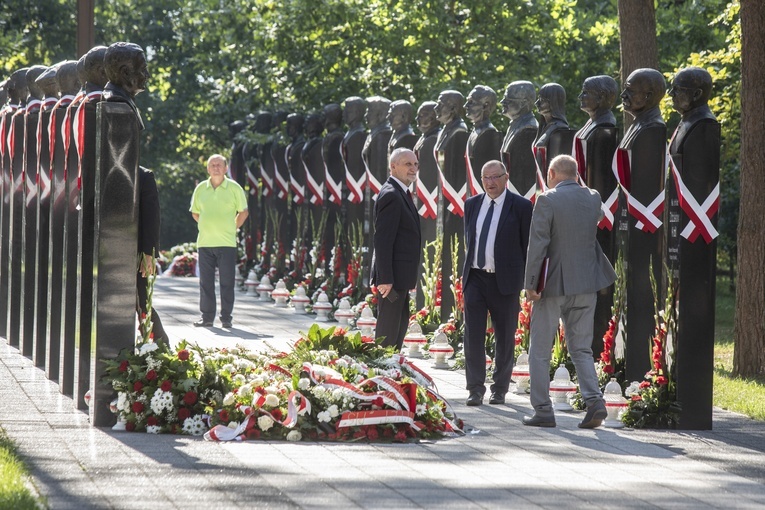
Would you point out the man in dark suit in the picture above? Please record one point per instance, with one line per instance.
(563, 231)
(396, 256)
(496, 234)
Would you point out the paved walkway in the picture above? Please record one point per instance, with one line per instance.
(499, 463)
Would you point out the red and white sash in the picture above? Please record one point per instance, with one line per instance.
(429, 200)
(475, 186)
(455, 198)
(335, 188)
(647, 216)
(699, 215)
(373, 183)
(316, 189)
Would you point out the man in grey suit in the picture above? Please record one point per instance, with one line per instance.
(563, 229)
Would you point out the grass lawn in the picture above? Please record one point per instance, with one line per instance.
(746, 396)
(14, 493)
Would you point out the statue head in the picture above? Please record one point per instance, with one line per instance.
(314, 125)
(333, 116)
(426, 117)
(354, 111)
(236, 127)
(34, 72)
(377, 111)
(643, 90)
(17, 86)
(262, 122)
(690, 89)
(518, 100)
(400, 114)
(449, 106)
(551, 103)
(598, 94)
(66, 77)
(278, 119)
(93, 66)
(481, 103)
(126, 68)
(295, 123)
(47, 82)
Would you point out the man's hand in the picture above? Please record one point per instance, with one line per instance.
(532, 295)
(384, 289)
(147, 267)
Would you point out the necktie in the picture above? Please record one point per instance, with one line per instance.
(411, 200)
(484, 236)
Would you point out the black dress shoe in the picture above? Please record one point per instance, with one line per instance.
(538, 421)
(497, 398)
(201, 323)
(475, 399)
(596, 413)
(226, 324)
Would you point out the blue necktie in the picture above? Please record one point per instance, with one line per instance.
(484, 236)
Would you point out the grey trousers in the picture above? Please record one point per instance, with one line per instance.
(224, 258)
(577, 313)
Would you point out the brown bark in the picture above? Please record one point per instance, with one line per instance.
(637, 39)
(749, 328)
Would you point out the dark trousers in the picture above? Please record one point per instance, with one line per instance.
(482, 296)
(224, 258)
(393, 319)
(159, 332)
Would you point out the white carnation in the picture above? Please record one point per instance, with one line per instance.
(272, 400)
(304, 383)
(333, 411)
(238, 380)
(294, 435)
(233, 424)
(229, 399)
(323, 417)
(341, 363)
(245, 390)
(273, 390)
(265, 422)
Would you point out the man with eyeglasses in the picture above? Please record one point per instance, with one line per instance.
(496, 235)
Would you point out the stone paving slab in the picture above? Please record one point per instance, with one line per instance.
(499, 463)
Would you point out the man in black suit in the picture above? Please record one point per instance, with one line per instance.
(497, 235)
(396, 256)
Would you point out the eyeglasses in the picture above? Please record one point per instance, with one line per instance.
(492, 177)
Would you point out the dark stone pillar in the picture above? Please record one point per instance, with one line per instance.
(645, 182)
(56, 246)
(42, 304)
(85, 247)
(16, 233)
(29, 229)
(450, 153)
(115, 245)
(429, 201)
(594, 148)
(695, 151)
(519, 161)
(5, 215)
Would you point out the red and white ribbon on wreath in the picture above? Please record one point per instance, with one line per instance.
(335, 188)
(4, 111)
(647, 216)
(416, 372)
(387, 398)
(475, 186)
(699, 215)
(390, 385)
(456, 199)
(372, 182)
(377, 417)
(316, 189)
(429, 201)
(312, 370)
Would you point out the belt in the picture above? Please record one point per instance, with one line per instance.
(487, 271)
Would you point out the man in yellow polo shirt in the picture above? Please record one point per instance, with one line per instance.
(219, 206)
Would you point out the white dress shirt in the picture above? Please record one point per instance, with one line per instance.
(498, 202)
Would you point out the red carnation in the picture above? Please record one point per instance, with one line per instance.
(137, 407)
(130, 426)
(661, 380)
(372, 433)
(137, 386)
(190, 398)
(400, 436)
(253, 433)
(339, 332)
(151, 375)
(277, 414)
(124, 366)
(223, 415)
(636, 398)
(183, 413)
(166, 385)
(183, 355)
(644, 384)
(152, 421)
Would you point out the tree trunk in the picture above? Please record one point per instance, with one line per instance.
(749, 328)
(637, 40)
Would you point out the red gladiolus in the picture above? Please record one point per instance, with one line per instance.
(636, 398)
(183, 413)
(137, 386)
(644, 384)
(489, 331)
(152, 421)
(661, 380)
(124, 366)
(609, 369)
(190, 398)
(223, 415)
(367, 340)
(137, 407)
(183, 355)
(151, 375)
(166, 386)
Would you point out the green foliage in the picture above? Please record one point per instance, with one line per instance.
(14, 492)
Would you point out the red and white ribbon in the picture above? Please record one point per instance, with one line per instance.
(700, 216)
(647, 216)
(316, 189)
(429, 200)
(475, 186)
(378, 417)
(373, 183)
(455, 198)
(334, 188)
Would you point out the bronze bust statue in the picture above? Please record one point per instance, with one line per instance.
(516, 150)
(643, 91)
(126, 69)
(400, 119)
(375, 151)
(553, 136)
(94, 69)
(485, 141)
